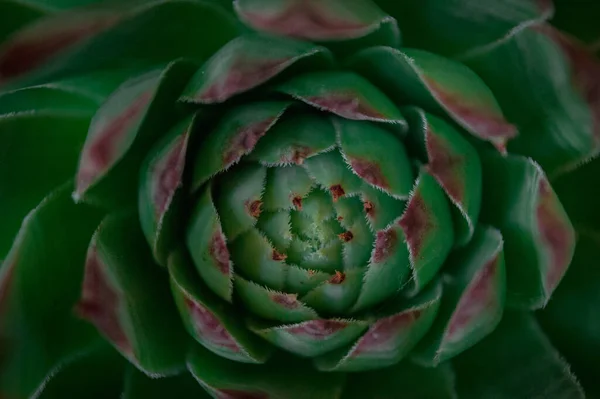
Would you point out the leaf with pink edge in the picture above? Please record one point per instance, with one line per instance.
(249, 61)
(209, 320)
(437, 84)
(394, 331)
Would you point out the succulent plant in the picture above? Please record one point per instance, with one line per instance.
(299, 199)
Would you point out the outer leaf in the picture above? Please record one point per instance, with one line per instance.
(474, 296)
(20, 13)
(138, 385)
(37, 327)
(213, 323)
(520, 364)
(539, 238)
(556, 106)
(404, 380)
(123, 131)
(127, 298)
(438, 26)
(313, 20)
(288, 378)
(437, 84)
(249, 61)
(101, 37)
(570, 319)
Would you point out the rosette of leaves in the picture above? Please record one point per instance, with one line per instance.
(297, 199)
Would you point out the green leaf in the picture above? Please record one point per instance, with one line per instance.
(236, 135)
(438, 85)
(39, 285)
(393, 332)
(570, 319)
(123, 130)
(404, 380)
(334, 21)
(428, 230)
(438, 26)
(285, 377)
(345, 94)
(249, 61)
(39, 152)
(212, 322)
(376, 155)
(184, 386)
(515, 362)
(286, 187)
(121, 34)
(380, 208)
(474, 296)
(20, 14)
(97, 373)
(556, 107)
(161, 180)
(539, 238)
(126, 296)
(336, 295)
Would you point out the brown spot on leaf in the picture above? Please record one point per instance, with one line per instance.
(446, 166)
(218, 251)
(487, 124)
(558, 238)
(346, 236)
(416, 223)
(305, 19)
(370, 172)
(386, 334)
(386, 243)
(245, 140)
(289, 301)
(254, 208)
(480, 296)
(38, 46)
(167, 174)
(297, 202)
(244, 74)
(104, 146)
(278, 256)
(369, 209)
(318, 329)
(347, 105)
(337, 191)
(340, 218)
(100, 302)
(209, 327)
(338, 278)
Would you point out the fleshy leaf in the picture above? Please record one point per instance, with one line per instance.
(123, 130)
(336, 295)
(437, 26)
(294, 139)
(286, 187)
(281, 378)
(184, 386)
(376, 155)
(474, 294)
(275, 226)
(46, 98)
(127, 298)
(380, 208)
(207, 246)
(247, 62)
(388, 269)
(114, 35)
(161, 179)
(38, 332)
(273, 305)
(21, 14)
(396, 330)
(28, 171)
(539, 238)
(428, 230)
(520, 363)
(437, 84)
(331, 172)
(211, 321)
(556, 106)
(402, 380)
(236, 135)
(335, 20)
(570, 319)
(311, 338)
(345, 94)
(358, 238)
